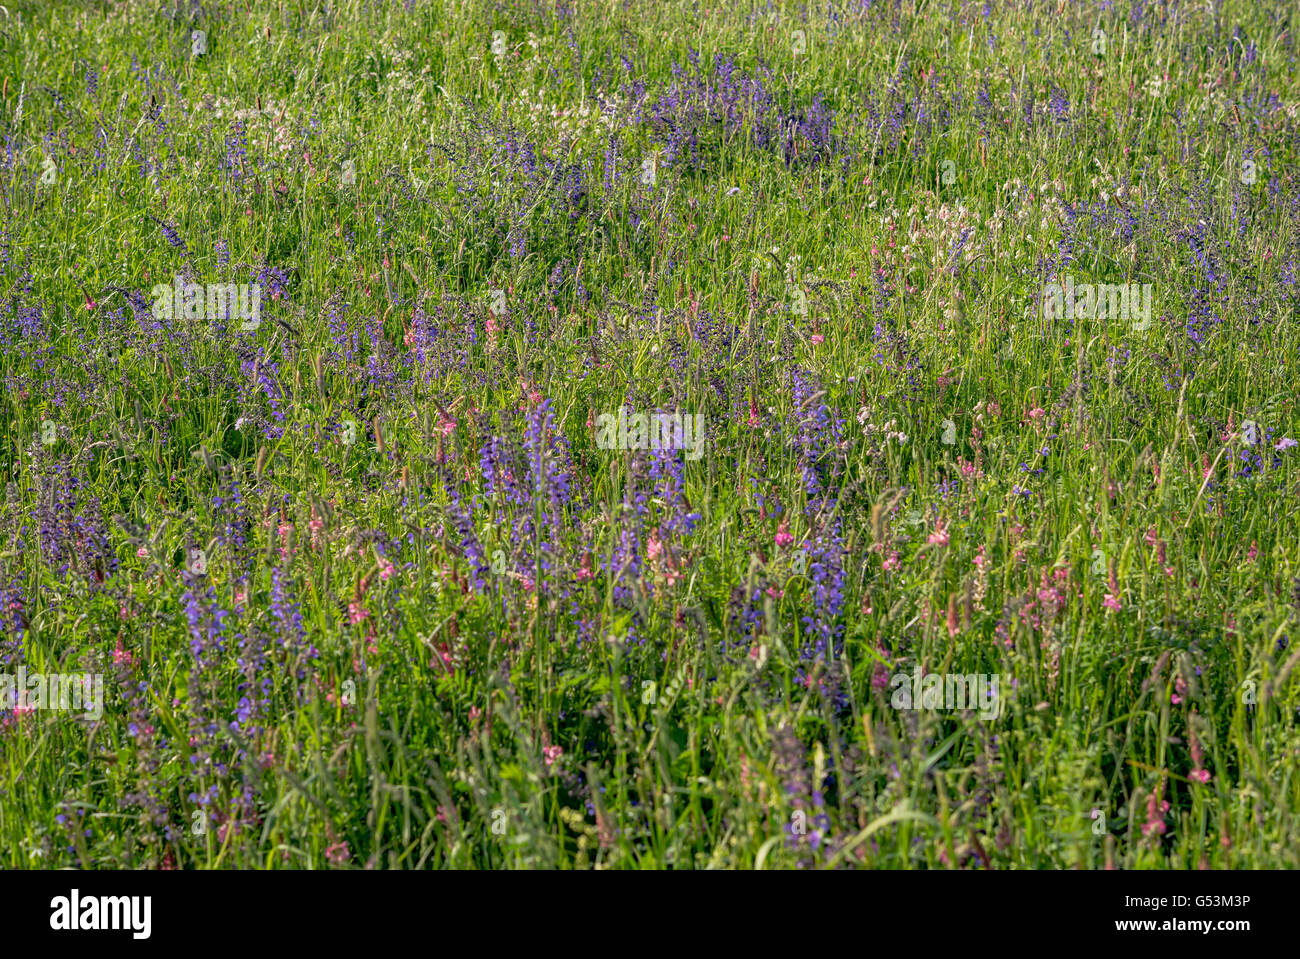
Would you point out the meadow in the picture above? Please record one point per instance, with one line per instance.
(632, 414)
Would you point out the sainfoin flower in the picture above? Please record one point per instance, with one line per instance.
(1156, 809)
(783, 537)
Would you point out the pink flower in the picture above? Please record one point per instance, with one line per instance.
(142, 552)
(880, 671)
(357, 613)
(817, 338)
(1155, 824)
(386, 569)
(338, 853)
(285, 530)
(552, 754)
(783, 537)
(120, 655)
(1199, 775)
(1111, 602)
(940, 535)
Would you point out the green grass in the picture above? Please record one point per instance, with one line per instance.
(1134, 610)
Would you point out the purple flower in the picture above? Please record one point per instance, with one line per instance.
(172, 237)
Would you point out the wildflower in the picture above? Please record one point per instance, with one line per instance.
(783, 537)
(940, 535)
(1155, 824)
(1111, 602)
(338, 853)
(286, 531)
(121, 655)
(654, 546)
(880, 671)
